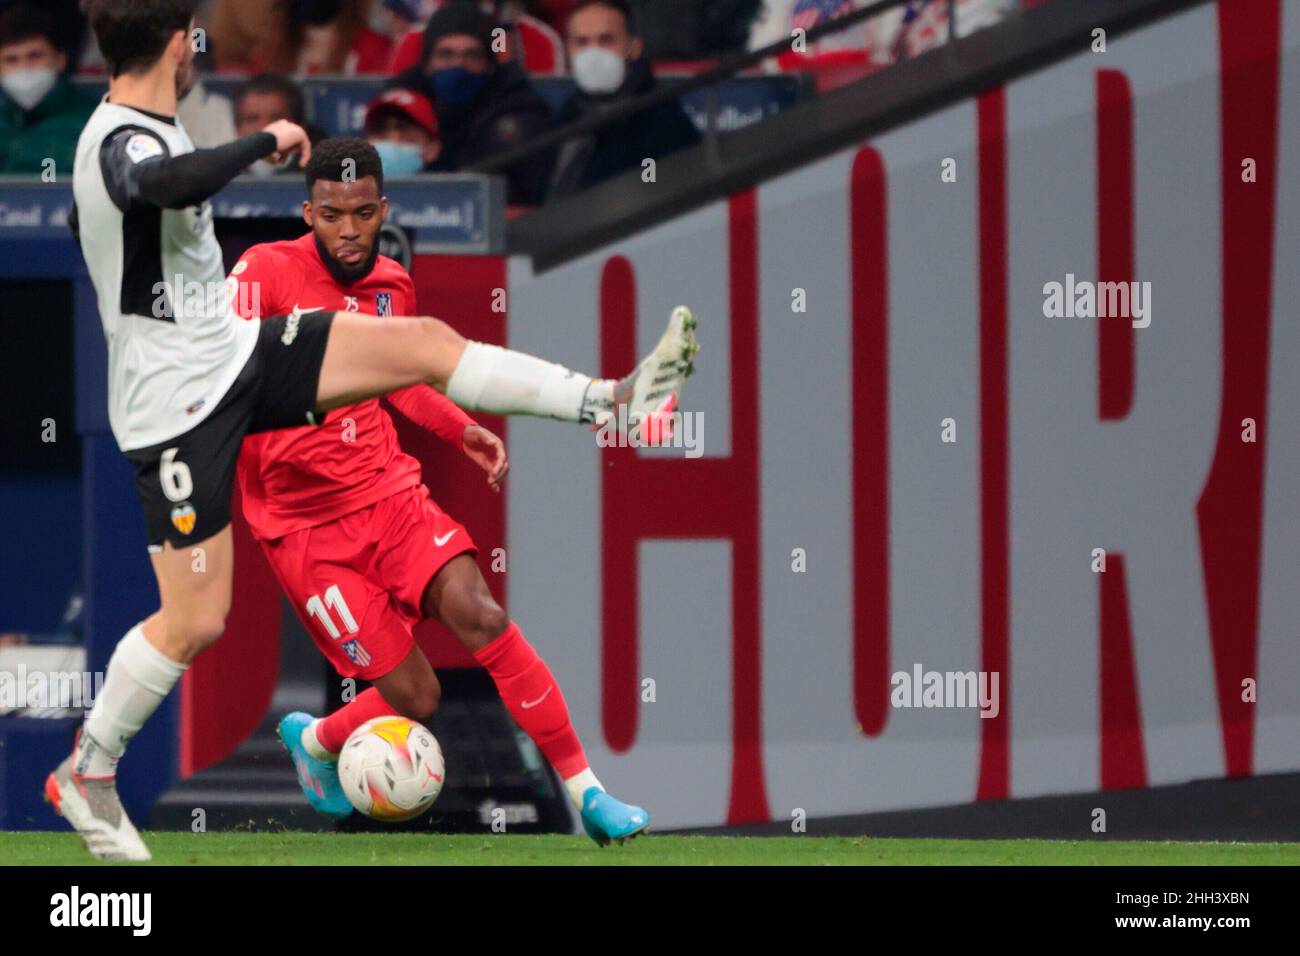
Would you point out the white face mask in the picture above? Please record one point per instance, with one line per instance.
(598, 71)
(27, 86)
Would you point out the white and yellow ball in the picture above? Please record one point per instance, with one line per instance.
(391, 769)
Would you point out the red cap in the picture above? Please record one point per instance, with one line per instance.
(419, 109)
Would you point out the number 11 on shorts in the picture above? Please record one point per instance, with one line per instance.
(320, 609)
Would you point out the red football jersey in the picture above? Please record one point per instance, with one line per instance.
(297, 478)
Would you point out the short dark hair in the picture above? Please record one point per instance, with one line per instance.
(329, 156)
(23, 21)
(280, 85)
(622, 6)
(132, 34)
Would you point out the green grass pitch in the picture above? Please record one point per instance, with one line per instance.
(409, 849)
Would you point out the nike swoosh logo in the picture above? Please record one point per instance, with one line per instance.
(528, 705)
(314, 308)
(439, 542)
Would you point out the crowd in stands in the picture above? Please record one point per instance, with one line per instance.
(459, 72)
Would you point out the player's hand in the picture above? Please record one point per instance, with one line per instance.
(289, 138)
(488, 452)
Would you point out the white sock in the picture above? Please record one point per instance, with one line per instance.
(139, 678)
(499, 381)
(311, 743)
(579, 783)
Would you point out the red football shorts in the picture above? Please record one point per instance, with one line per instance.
(357, 582)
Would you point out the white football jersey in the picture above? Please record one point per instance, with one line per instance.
(174, 344)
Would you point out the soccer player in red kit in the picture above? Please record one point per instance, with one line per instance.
(358, 545)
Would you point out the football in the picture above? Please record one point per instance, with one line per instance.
(391, 769)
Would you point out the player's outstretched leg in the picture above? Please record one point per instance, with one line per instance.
(359, 363)
(459, 597)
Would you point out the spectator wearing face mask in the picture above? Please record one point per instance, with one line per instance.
(403, 128)
(484, 107)
(606, 57)
(41, 112)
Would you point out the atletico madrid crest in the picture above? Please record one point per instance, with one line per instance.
(384, 304)
(184, 518)
(357, 654)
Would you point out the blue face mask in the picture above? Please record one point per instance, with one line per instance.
(457, 86)
(399, 159)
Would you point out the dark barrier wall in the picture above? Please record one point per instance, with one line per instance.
(40, 455)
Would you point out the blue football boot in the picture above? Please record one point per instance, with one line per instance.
(606, 819)
(319, 779)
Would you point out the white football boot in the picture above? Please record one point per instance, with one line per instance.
(93, 808)
(651, 391)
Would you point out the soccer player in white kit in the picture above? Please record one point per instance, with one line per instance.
(188, 379)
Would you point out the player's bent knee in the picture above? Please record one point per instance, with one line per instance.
(478, 618)
(440, 331)
(493, 619)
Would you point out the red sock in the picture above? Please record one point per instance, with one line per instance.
(532, 695)
(334, 730)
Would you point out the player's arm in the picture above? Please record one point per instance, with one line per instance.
(138, 167)
(434, 412)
